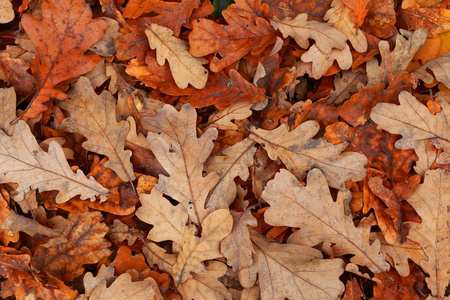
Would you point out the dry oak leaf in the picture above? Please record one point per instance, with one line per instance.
(185, 68)
(90, 282)
(61, 38)
(94, 116)
(321, 61)
(439, 67)
(358, 10)
(173, 139)
(222, 91)
(320, 219)
(300, 153)
(206, 286)
(344, 85)
(292, 271)
(8, 111)
(414, 122)
(15, 73)
(233, 41)
(81, 242)
(237, 247)
(222, 119)
(431, 200)
(119, 232)
(6, 236)
(324, 34)
(24, 162)
(123, 289)
(339, 16)
(6, 12)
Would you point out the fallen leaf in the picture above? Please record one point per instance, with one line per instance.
(123, 288)
(348, 83)
(321, 61)
(6, 11)
(222, 119)
(7, 113)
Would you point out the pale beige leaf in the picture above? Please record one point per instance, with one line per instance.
(169, 221)
(345, 85)
(94, 117)
(16, 223)
(156, 255)
(195, 250)
(426, 157)
(206, 286)
(320, 219)
(440, 68)
(6, 11)
(295, 271)
(397, 60)
(8, 111)
(105, 274)
(300, 153)
(322, 61)
(123, 289)
(326, 36)
(120, 232)
(185, 68)
(29, 202)
(173, 139)
(98, 75)
(415, 123)
(431, 200)
(22, 161)
(237, 247)
(339, 16)
(222, 119)
(134, 137)
(232, 162)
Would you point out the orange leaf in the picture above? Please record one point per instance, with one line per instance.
(61, 38)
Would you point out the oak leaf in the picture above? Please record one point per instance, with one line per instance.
(7, 113)
(173, 139)
(431, 200)
(439, 67)
(185, 68)
(6, 12)
(326, 36)
(94, 117)
(123, 288)
(300, 153)
(344, 85)
(414, 122)
(61, 38)
(320, 219)
(222, 119)
(81, 242)
(24, 162)
(292, 271)
(321, 61)
(15, 71)
(90, 282)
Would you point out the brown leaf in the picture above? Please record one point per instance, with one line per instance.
(122, 288)
(61, 38)
(15, 70)
(7, 113)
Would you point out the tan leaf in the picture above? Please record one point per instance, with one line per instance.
(206, 286)
(169, 222)
(322, 61)
(426, 157)
(16, 223)
(339, 16)
(106, 47)
(157, 256)
(320, 219)
(90, 282)
(300, 153)
(414, 122)
(185, 68)
(440, 67)
(8, 111)
(94, 117)
(293, 271)
(397, 60)
(232, 162)
(120, 232)
(123, 289)
(350, 82)
(326, 36)
(222, 118)
(195, 250)
(237, 247)
(431, 200)
(6, 11)
(23, 161)
(173, 139)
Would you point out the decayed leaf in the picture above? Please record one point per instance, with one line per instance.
(82, 242)
(339, 16)
(123, 288)
(300, 153)
(320, 219)
(397, 60)
(61, 38)
(222, 119)
(414, 122)
(94, 117)
(173, 139)
(237, 247)
(345, 85)
(15, 73)
(195, 250)
(23, 161)
(120, 232)
(206, 286)
(326, 36)
(185, 68)
(322, 61)
(105, 46)
(292, 271)
(6, 236)
(431, 200)
(231, 163)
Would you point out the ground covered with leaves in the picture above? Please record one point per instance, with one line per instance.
(260, 149)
